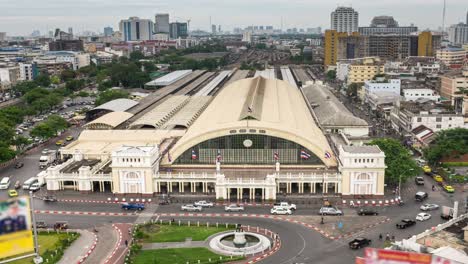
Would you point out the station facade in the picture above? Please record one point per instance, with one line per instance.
(256, 139)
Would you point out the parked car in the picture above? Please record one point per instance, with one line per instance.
(359, 242)
(59, 143)
(280, 211)
(449, 189)
(423, 217)
(426, 169)
(429, 207)
(41, 224)
(5, 183)
(330, 211)
(12, 193)
(19, 165)
(133, 206)
(191, 208)
(234, 208)
(367, 211)
(69, 138)
(419, 180)
(405, 223)
(61, 225)
(437, 178)
(204, 204)
(420, 196)
(285, 205)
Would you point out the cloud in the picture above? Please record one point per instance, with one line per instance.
(23, 16)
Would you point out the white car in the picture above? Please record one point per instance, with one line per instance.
(280, 211)
(191, 208)
(423, 217)
(429, 207)
(234, 208)
(285, 205)
(204, 204)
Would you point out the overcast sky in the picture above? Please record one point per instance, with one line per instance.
(18, 17)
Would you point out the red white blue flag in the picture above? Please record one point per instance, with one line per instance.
(327, 155)
(194, 155)
(304, 155)
(276, 156)
(218, 157)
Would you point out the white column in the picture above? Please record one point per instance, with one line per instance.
(228, 193)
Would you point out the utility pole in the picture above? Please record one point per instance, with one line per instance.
(37, 259)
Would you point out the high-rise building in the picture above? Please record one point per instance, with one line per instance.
(247, 36)
(178, 30)
(108, 31)
(213, 29)
(425, 44)
(332, 45)
(344, 19)
(219, 28)
(162, 23)
(70, 31)
(2, 36)
(458, 34)
(136, 29)
(386, 25)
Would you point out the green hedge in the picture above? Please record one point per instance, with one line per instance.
(455, 164)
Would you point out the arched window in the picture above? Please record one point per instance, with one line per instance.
(363, 176)
(132, 175)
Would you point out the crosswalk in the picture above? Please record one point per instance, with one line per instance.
(146, 215)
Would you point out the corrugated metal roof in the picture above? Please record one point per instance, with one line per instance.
(117, 105)
(169, 78)
(111, 120)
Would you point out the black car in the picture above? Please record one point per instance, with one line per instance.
(359, 242)
(19, 165)
(367, 211)
(49, 198)
(405, 223)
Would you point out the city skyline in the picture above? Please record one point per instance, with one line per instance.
(87, 15)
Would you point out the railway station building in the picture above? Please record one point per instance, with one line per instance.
(256, 139)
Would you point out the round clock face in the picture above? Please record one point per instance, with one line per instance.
(248, 143)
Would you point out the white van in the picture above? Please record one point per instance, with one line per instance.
(27, 184)
(5, 183)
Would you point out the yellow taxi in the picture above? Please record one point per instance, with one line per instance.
(438, 178)
(59, 143)
(12, 193)
(426, 169)
(449, 189)
(69, 138)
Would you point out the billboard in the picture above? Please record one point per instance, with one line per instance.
(385, 256)
(15, 227)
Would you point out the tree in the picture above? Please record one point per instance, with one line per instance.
(110, 95)
(42, 80)
(353, 89)
(136, 55)
(448, 143)
(75, 85)
(67, 75)
(55, 79)
(20, 142)
(397, 159)
(6, 153)
(6, 133)
(57, 123)
(43, 130)
(83, 94)
(24, 87)
(331, 75)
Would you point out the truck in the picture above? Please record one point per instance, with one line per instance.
(447, 213)
(47, 158)
(27, 184)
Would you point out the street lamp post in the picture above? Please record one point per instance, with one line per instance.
(399, 184)
(37, 259)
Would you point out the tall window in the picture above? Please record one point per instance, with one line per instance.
(247, 149)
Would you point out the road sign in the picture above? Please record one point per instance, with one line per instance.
(340, 225)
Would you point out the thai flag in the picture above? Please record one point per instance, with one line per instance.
(304, 155)
(194, 155)
(169, 157)
(327, 155)
(218, 157)
(276, 156)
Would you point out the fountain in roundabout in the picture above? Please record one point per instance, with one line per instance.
(239, 242)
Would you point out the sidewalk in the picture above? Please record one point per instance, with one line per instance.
(107, 238)
(185, 244)
(79, 248)
(120, 250)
